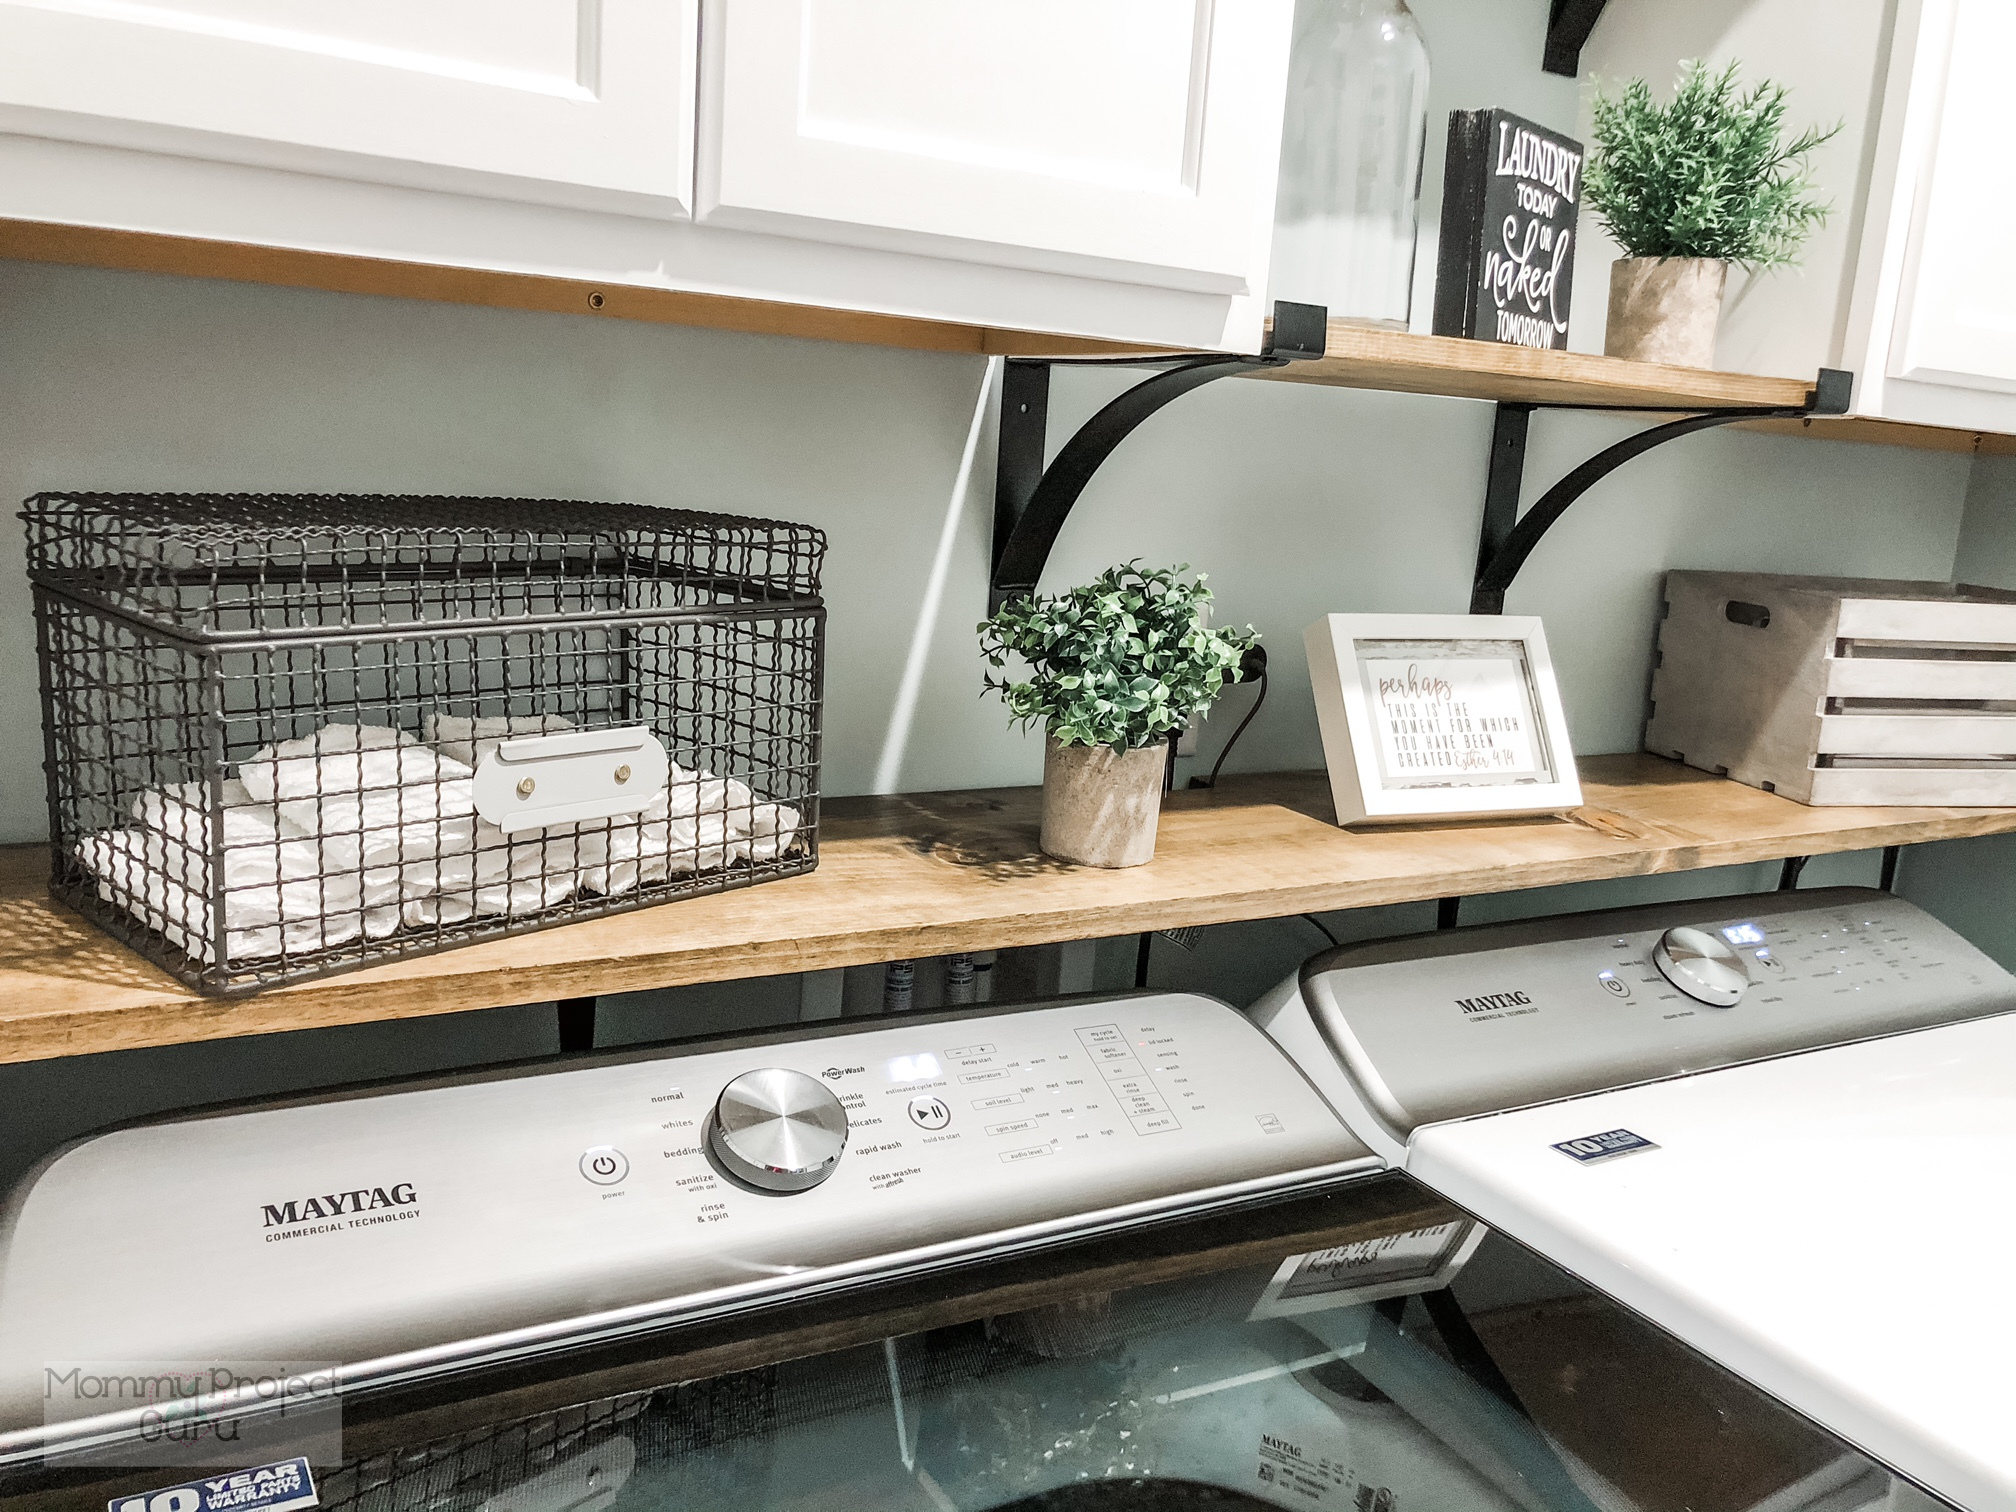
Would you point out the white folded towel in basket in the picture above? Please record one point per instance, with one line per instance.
(282, 894)
(342, 758)
(695, 826)
(505, 874)
(357, 829)
(377, 797)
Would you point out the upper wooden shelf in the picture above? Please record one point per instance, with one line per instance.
(1358, 357)
(293, 268)
(935, 873)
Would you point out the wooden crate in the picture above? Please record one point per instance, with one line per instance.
(1839, 690)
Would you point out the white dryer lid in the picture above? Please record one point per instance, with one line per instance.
(1834, 1226)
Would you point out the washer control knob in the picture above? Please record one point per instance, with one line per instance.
(777, 1130)
(1703, 965)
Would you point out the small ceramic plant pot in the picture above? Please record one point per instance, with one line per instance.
(1099, 805)
(1665, 309)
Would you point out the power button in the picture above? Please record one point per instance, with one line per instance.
(1613, 984)
(604, 1165)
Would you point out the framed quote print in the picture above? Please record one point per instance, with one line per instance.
(1439, 716)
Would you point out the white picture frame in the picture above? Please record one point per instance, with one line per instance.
(1440, 716)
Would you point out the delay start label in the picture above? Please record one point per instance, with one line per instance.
(263, 1488)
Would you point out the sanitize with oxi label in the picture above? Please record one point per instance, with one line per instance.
(264, 1488)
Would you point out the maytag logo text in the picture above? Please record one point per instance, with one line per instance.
(1491, 1002)
(325, 1205)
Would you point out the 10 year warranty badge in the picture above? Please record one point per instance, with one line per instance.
(264, 1488)
(1591, 1148)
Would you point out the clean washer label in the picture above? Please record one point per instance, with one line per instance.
(1594, 1147)
(264, 1488)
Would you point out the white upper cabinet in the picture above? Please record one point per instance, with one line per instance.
(1131, 140)
(1100, 168)
(1957, 312)
(568, 102)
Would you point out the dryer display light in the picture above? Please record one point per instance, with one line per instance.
(1745, 933)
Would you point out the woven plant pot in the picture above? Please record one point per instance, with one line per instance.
(1665, 309)
(1099, 805)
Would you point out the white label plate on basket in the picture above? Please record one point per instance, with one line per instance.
(537, 781)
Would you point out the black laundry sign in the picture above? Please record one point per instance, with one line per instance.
(1507, 257)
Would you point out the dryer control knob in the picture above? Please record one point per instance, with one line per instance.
(1703, 965)
(778, 1130)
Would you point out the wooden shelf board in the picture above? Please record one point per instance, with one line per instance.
(288, 267)
(1876, 432)
(929, 874)
(1359, 356)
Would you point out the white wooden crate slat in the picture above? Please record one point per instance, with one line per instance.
(1917, 734)
(1896, 677)
(1977, 787)
(1926, 621)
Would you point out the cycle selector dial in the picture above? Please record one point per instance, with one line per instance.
(777, 1130)
(1703, 965)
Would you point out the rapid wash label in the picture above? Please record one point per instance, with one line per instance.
(265, 1488)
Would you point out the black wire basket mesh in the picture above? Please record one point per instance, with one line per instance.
(287, 735)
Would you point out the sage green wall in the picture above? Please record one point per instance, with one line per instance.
(1971, 884)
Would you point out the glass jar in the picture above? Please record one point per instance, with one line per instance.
(1351, 146)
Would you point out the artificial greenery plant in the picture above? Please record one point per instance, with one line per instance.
(1120, 662)
(1709, 175)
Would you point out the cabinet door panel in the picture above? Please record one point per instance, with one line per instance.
(1126, 139)
(1959, 323)
(580, 102)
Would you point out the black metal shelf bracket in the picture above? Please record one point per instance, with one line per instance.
(1506, 538)
(1031, 502)
(1569, 23)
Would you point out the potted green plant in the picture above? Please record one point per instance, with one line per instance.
(1115, 667)
(1686, 189)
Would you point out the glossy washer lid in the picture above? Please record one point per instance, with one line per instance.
(1471, 1021)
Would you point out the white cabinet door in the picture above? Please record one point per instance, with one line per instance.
(1958, 321)
(576, 102)
(1130, 140)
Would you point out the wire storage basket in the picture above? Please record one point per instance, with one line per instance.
(287, 735)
